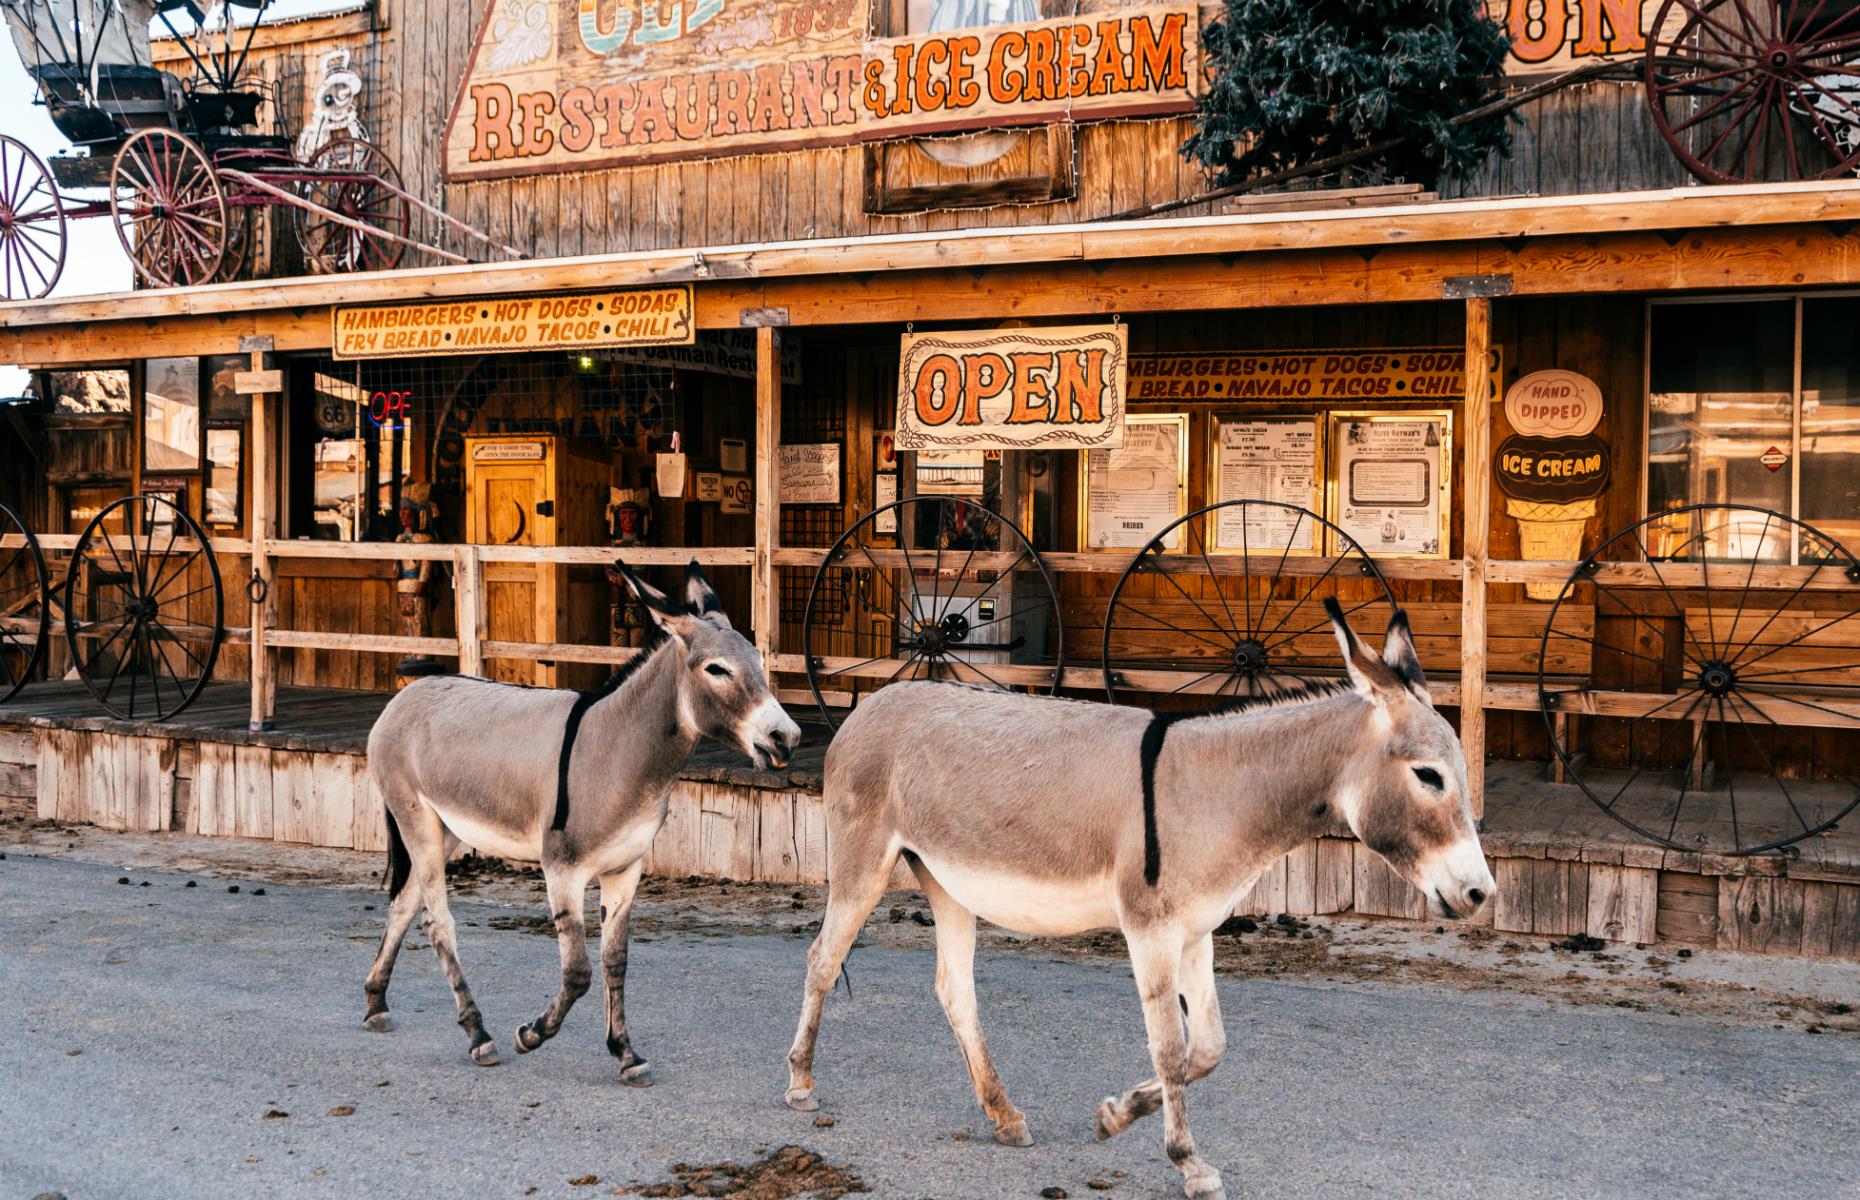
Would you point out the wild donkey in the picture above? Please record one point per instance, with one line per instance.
(1057, 817)
(575, 781)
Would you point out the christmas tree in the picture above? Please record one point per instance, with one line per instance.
(1297, 82)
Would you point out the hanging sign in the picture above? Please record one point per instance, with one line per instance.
(594, 320)
(578, 85)
(1552, 404)
(1434, 374)
(1013, 389)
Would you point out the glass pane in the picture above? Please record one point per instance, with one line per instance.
(171, 415)
(1719, 426)
(1830, 463)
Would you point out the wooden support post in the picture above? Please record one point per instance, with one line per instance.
(765, 603)
(468, 608)
(1475, 545)
(262, 386)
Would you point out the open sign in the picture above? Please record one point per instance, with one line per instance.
(390, 409)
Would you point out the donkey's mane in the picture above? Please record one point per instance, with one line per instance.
(1303, 694)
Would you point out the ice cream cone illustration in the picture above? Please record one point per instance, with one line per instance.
(1549, 532)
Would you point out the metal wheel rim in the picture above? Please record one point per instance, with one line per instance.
(22, 580)
(333, 248)
(1265, 639)
(32, 223)
(868, 523)
(1550, 706)
(175, 226)
(162, 643)
(1758, 66)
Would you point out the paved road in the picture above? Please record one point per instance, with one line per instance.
(195, 1012)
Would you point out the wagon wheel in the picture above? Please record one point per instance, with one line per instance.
(931, 587)
(32, 223)
(24, 615)
(357, 188)
(241, 236)
(143, 609)
(169, 207)
(1712, 694)
(1166, 635)
(1745, 90)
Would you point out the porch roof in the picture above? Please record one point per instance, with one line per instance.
(1770, 235)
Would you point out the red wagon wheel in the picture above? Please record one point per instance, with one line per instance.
(169, 207)
(359, 181)
(32, 223)
(1748, 90)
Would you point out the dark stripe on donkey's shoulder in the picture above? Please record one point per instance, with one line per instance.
(583, 702)
(1148, 752)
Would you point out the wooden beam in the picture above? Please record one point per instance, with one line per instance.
(468, 608)
(264, 667)
(765, 597)
(1475, 543)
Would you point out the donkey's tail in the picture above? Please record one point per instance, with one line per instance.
(400, 863)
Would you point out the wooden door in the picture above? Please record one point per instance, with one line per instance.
(510, 498)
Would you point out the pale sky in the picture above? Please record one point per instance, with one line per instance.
(94, 258)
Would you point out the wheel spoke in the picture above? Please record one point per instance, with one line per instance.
(1214, 580)
(1684, 627)
(1148, 616)
(1769, 763)
(1798, 640)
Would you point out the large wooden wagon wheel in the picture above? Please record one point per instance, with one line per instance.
(1166, 634)
(144, 609)
(930, 587)
(24, 615)
(32, 223)
(357, 187)
(1722, 694)
(1748, 90)
(170, 208)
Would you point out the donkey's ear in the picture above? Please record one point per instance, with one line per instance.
(660, 605)
(1399, 653)
(700, 598)
(1372, 678)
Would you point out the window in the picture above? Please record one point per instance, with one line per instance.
(360, 455)
(1737, 415)
(171, 415)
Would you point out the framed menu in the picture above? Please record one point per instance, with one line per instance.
(1390, 483)
(1265, 458)
(1129, 494)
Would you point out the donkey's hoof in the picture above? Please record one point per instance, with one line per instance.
(801, 1099)
(1204, 1187)
(527, 1039)
(638, 1075)
(485, 1054)
(378, 1023)
(1014, 1133)
(1108, 1122)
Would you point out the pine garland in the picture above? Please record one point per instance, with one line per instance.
(1297, 81)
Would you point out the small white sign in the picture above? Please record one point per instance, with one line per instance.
(670, 481)
(739, 495)
(508, 452)
(709, 485)
(735, 455)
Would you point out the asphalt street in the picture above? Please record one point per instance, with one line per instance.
(155, 1028)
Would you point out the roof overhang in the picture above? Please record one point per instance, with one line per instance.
(1680, 239)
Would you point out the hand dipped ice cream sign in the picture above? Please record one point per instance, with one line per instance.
(1553, 468)
(1013, 389)
(580, 84)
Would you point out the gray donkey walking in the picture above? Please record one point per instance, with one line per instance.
(576, 781)
(1056, 817)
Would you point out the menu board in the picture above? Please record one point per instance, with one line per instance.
(1273, 459)
(1390, 481)
(1133, 491)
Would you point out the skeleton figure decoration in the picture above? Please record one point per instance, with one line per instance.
(337, 115)
(1118, 818)
(575, 781)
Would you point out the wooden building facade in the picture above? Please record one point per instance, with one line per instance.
(1701, 321)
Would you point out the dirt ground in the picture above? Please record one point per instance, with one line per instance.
(1817, 997)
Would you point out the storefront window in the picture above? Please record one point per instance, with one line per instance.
(171, 415)
(1830, 442)
(358, 462)
(1721, 423)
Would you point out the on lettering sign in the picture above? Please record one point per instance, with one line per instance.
(1013, 389)
(1554, 404)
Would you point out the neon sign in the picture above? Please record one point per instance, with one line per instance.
(391, 410)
